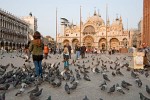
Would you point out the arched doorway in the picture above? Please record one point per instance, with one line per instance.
(125, 42)
(114, 43)
(102, 44)
(14, 46)
(74, 42)
(66, 41)
(10, 45)
(2, 44)
(88, 41)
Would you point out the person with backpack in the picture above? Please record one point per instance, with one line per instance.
(36, 48)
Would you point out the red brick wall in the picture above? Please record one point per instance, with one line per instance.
(146, 22)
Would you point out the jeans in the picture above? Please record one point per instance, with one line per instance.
(77, 54)
(66, 64)
(38, 67)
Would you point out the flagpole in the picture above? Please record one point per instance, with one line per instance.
(80, 25)
(56, 27)
(106, 30)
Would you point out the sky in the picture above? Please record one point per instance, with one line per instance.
(45, 11)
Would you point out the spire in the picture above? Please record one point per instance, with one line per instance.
(95, 12)
(117, 17)
(120, 19)
(30, 14)
(98, 13)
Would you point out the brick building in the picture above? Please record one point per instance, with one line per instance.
(146, 22)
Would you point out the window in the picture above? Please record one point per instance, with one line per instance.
(67, 34)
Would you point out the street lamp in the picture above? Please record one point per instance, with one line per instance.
(106, 30)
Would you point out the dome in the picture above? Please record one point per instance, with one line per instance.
(96, 19)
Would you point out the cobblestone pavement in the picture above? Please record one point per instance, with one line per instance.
(89, 88)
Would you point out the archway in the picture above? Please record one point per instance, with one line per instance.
(10, 45)
(2, 44)
(14, 46)
(102, 44)
(74, 42)
(125, 42)
(66, 41)
(114, 43)
(88, 41)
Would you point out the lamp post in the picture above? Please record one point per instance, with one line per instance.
(56, 27)
(80, 25)
(106, 30)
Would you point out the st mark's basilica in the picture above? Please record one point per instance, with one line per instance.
(93, 33)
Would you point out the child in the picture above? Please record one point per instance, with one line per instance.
(46, 51)
(66, 58)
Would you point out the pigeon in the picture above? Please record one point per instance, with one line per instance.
(67, 89)
(78, 76)
(119, 89)
(97, 70)
(125, 85)
(74, 86)
(139, 82)
(4, 87)
(38, 93)
(113, 74)
(85, 98)
(142, 97)
(86, 77)
(103, 86)
(22, 89)
(146, 74)
(49, 98)
(2, 96)
(134, 75)
(112, 89)
(128, 69)
(105, 77)
(72, 79)
(58, 84)
(118, 72)
(33, 97)
(128, 84)
(111, 67)
(147, 89)
(36, 89)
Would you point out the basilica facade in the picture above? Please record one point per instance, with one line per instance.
(94, 33)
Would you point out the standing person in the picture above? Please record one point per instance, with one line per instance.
(83, 50)
(69, 49)
(66, 58)
(36, 48)
(46, 51)
(77, 49)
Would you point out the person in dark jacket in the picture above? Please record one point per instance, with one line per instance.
(36, 48)
(83, 50)
(69, 50)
